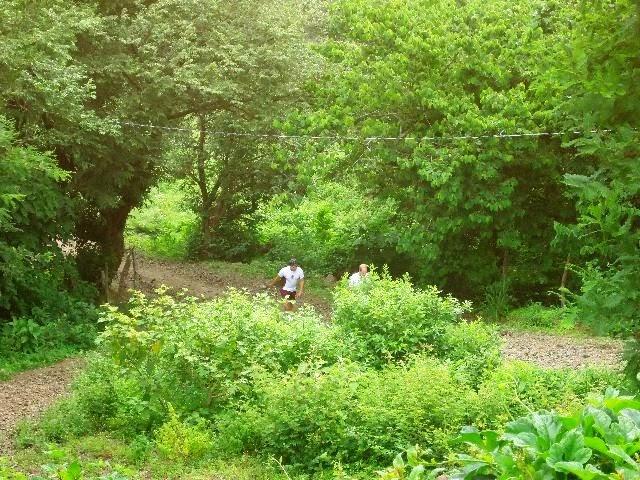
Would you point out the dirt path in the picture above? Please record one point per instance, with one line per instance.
(195, 277)
(555, 351)
(198, 279)
(29, 393)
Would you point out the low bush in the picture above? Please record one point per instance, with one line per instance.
(516, 388)
(388, 319)
(598, 441)
(473, 348)
(316, 415)
(64, 421)
(359, 416)
(179, 441)
(196, 356)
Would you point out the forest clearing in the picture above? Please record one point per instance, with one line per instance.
(319, 240)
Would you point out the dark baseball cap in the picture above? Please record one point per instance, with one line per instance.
(293, 261)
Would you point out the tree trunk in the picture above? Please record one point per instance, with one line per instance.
(505, 265)
(563, 281)
(101, 243)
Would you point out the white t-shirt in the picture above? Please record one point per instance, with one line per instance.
(291, 278)
(355, 279)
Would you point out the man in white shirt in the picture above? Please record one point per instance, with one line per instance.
(293, 287)
(360, 275)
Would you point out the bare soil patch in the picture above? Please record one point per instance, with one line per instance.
(199, 279)
(559, 351)
(27, 394)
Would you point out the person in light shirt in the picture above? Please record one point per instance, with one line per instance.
(360, 275)
(293, 287)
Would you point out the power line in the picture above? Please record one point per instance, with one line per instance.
(369, 139)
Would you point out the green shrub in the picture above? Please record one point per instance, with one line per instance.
(306, 415)
(196, 356)
(473, 348)
(315, 415)
(420, 402)
(63, 421)
(177, 440)
(497, 300)
(389, 319)
(43, 302)
(164, 225)
(536, 315)
(78, 327)
(598, 441)
(8, 473)
(516, 388)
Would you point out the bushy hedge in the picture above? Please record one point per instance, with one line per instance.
(388, 318)
(315, 415)
(239, 375)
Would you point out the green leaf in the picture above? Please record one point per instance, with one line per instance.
(618, 452)
(584, 473)
(416, 473)
(569, 449)
(412, 456)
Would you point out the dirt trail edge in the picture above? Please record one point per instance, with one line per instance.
(200, 280)
(29, 393)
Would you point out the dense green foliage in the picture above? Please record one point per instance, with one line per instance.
(475, 216)
(596, 442)
(487, 148)
(478, 216)
(388, 319)
(43, 304)
(163, 226)
(75, 79)
(328, 229)
(196, 380)
(469, 212)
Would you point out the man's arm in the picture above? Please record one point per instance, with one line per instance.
(274, 281)
(301, 288)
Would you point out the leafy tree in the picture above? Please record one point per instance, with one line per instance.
(471, 212)
(260, 63)
(34, 215)
(601, 91)
(73, 75)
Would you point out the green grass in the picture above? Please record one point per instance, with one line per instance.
(538, 318)
(104, 457)
(19, 362)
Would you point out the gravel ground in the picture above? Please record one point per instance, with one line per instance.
(29, 393)
(557, 351)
